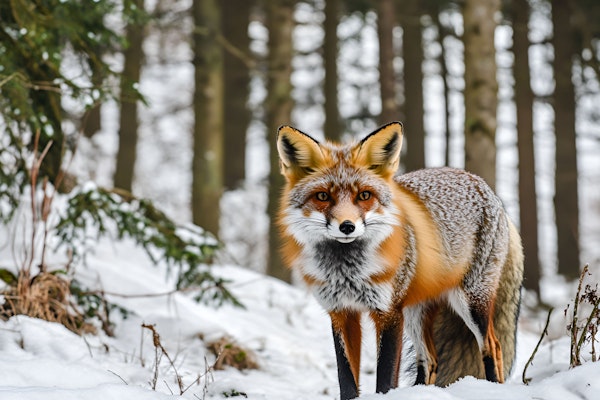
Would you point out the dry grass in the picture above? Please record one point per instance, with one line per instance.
(41, 294)
(230, 354)
(46, 296)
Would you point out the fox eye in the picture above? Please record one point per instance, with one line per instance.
(366, 195)
(322, 196)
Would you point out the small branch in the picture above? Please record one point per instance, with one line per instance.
(574, 359)
(158, 346)
(585, 330)
(8, 78)
(35, 170)
(118, 376)
(594, 331)
(208, 370)
(544, 333)
(160, 294)
(141, 295)
(228, 46)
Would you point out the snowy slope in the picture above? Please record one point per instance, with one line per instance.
(285, 328)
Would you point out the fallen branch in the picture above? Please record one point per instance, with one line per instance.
(537, 346)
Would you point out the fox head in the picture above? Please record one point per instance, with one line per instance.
(339, 192)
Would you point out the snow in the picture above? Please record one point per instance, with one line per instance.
(281, 324)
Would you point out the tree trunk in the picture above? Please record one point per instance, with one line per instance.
(442, 33)
(385, 26)
(481, 87)
(92, 118)
(236, 89)
(128, 115)
(47, 117)
(333, 129)
(412, 50)
(566, 202)
(280, 22)
(46, 103)
(207, 163)
(524, 106)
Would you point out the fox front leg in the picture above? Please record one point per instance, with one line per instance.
(347, 341)
(389, 340)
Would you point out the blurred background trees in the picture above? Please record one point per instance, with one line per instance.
(506, 89)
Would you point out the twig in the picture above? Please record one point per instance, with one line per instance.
(46, 208)
(158, 346)
(227, 45)
(8, 78)
(207, 374)
(574, 359)
(576, 342)
(35, 170)
(142, 362)
(584, 331)
(544, 333)
(118, 376)
(168, 387)
(594, 331)
(142, 295)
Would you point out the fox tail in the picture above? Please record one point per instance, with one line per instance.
(457, 350)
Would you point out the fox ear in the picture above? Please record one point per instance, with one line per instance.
(380, 150)
(299, 153)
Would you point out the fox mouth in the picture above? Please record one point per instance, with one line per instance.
(344, 239)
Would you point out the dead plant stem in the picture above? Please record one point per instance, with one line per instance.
(583, 335)
(574, 359)
(537, 346)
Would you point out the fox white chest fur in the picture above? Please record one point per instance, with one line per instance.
(343, 274)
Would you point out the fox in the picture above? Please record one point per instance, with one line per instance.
(430, 253)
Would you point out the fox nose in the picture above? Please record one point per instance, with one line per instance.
(347, 227)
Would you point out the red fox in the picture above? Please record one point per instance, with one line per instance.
(430, 252)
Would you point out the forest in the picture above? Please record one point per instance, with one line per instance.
(155, 121)
(468, 79)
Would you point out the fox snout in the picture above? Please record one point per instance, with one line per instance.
(347, 227)
(346, 231)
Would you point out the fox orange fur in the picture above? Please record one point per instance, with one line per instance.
(431, 252)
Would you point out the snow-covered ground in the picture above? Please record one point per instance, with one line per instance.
(282, 325)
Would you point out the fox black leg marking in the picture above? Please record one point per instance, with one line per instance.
(476, 316)
(420, 375)
(348, 389)
(388, 360)
(491, 350)
(490, 369)
(419, 325)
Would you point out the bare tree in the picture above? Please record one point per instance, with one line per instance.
(280, 22)
(524, 104)
(481, 87)
(443, 32)
(128, 113)
(330, 54)
(412, 51)
(91, 122)
(386, 20)
(566, 200)
(207, 162)
(236, 90)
